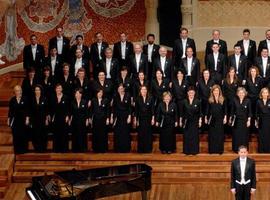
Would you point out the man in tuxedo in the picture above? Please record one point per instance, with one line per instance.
(79, 44)
(97, 52)
(138, 62)
(239, 62)
(248, 47)
(61, 43)
(34, 56)
(216, 64)
(54, 61)
(152, 51)
(180, 46)
(265, 43)
(122, 50)
(216, 39)
(243, 175)
(191, 67)
(110, 65)
(164, 63)
(79, 62)
(263, 64)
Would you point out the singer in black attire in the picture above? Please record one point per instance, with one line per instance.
(144, 119)
(79, 121)
(100, 116)
(121, 118)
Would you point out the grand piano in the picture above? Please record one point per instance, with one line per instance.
(91, 183)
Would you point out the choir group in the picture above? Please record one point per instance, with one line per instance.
(77, 90)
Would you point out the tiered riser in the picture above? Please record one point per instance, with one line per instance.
(6, 171)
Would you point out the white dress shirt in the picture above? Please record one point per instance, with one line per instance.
(189, 66)
(246, 46)
(108, 67)
(34, 51)
(78, 65)
(162, 63)
(138, 60)
(123, 50)
(243, 162)
(216, 41)
(99, 45)
(237, 59)
(60, 45)
(268, 46)
(184, 45)
(264, 64)
(80, 47)
(215, 60)
(150, 52)
(53, 63)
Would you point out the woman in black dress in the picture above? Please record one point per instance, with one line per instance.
(138, 83)
(205, 85)
(103, 84)
(28, 84)
(167, 120)
(18, 119)
(79, 121)
(39, 119)
(59, 114)
(48, 83)
(99, 118)
(191, 120)
(125, 80)
(263, 121)
(240, 119)
(158, 87)
(81, 81)
(67, 81)
(121, 118)
(216, 118)
(144, 120)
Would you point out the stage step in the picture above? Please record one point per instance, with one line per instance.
(6, 171)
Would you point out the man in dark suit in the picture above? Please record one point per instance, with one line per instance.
(216, 39)
(164, 63)
(79, 62)
(191, 67)
(264, 43)
(152, 51)
(243, 175)
(97, 52)
(54, 62)
(239, 62)
(216, 64)
(263, 64)
(61, 43)
(180, 46)
(122, 50)
(138, 62)
(248, 47)
(79, 45)
(110, 66)
(34, 56)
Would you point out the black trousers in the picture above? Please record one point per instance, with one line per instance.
(242, 192)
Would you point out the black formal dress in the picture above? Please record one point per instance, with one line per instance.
(157, 90)
(48, 87)
(190, 120)
(218, 72)
(137, 86)
(99, 113)
(215, 115)
(79, 113)
(127, 83)
(178, 50)
(85, 85)
(166, 117)
(117, 52)
(18, 111)
(107, 87)
(144, 111)
(251, 52)
(28, 88)
(121, 110)
(229, 91)
(240, 112)
(67, 83)
(38, 114)
(263, 118)
(179, 91)
(59, 110)
(243, 190)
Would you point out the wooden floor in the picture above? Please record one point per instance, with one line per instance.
(174, 177)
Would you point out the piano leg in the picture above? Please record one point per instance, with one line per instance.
(144, 195)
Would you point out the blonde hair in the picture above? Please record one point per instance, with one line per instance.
(220, 97)
(262, 90)
(165, 94)
(17, 87)
(241, 89)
